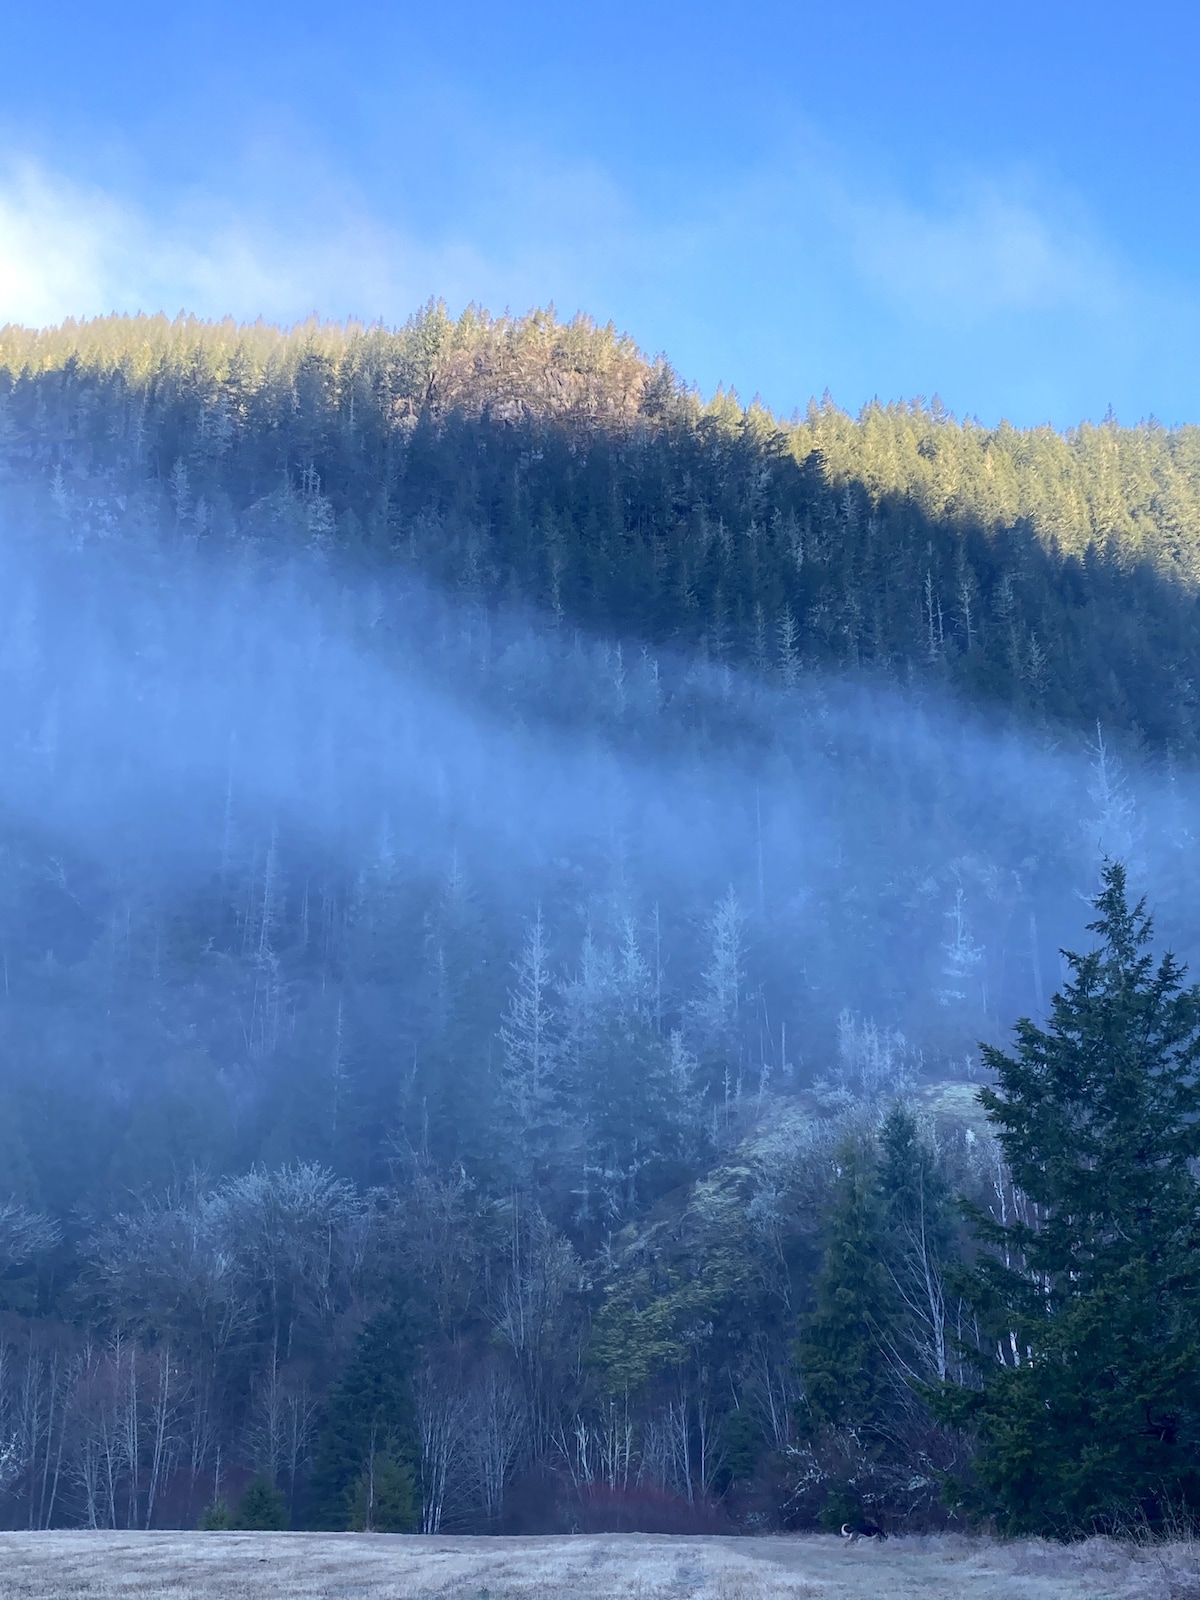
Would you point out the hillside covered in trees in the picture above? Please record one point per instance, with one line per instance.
(1049, 573)
(506, 867)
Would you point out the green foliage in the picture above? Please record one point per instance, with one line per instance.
(217, 1518)
(1049, 572)
(742, 1441)
(262, 1508)
(1091, 1416)
(841, 1350)
(912, 1189)
(683, 1292)
(368, 1419)
(842, 1505)
(384, 1498)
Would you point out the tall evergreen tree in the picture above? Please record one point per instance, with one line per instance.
(842, 1348)
(1088, 1413)
(367, 1451)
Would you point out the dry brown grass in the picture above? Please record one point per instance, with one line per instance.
(297, 1566)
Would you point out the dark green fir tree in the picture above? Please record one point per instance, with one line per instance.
(842, 1345)
(384, 1499)
(1088, 1413)
(367, 1452)
(262, 1508)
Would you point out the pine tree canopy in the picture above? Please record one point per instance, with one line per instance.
(361, 1471)
(1053, 573)
(842, 1347)
(1089, 1415)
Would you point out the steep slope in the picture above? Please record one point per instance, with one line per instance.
(1052, 574)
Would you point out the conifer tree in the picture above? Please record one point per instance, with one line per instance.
(262, 1509)
(367, 1446)
(217, 1518)
(1088, 1413)
(842, 1348)
(384, 1499)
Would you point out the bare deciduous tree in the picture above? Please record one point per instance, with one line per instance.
(444, 1420)
(495, 1435)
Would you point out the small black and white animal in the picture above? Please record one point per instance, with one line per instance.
(852, 1532)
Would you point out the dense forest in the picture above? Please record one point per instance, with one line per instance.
(1048, 573)
(517, 883)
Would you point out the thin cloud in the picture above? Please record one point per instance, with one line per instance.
(796, 275)
(984, 254)
(71, 250)
(63, 250)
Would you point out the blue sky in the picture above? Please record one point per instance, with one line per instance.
(998, 205)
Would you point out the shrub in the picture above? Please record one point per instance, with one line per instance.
(217, 1518)
(262, 1509)
(384, 1500)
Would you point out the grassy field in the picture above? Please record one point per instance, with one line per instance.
(297, 1566)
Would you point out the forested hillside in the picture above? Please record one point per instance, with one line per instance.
(505, 868)
(1049, 573)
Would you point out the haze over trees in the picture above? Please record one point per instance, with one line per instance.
(525, 456)
(506, 867)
